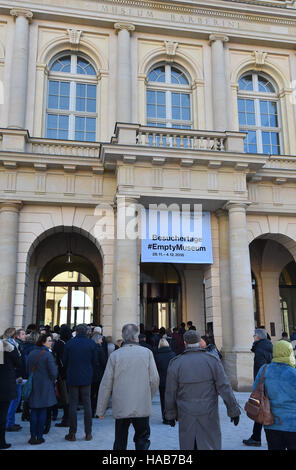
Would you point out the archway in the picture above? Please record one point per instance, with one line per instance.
(64, 278)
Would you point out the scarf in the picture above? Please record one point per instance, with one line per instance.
(283, 352)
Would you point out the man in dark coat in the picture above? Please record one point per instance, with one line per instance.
(162, 360)
(262, 348)
(143, 342)
(195, 378)
(80, 362)
(9, 361)
(98, 372)
(58, 351)
(177, 343)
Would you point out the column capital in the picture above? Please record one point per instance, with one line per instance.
(237, 206)
(28, 14)
(218, 37)
(10, 206)
(221, 213)
(124, 26)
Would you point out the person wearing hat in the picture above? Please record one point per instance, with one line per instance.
(280, 386)
(195, 378)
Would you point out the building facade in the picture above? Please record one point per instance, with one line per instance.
(108, 105)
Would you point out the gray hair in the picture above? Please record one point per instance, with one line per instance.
(130, 332)
(262, 334)
(81, 329)
(33, 337)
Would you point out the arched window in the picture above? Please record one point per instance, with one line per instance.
(168, 97)
(71, 99)
(258, 111)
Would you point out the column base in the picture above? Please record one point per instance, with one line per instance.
(238, 366)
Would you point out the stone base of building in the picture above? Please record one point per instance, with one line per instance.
(238, 366)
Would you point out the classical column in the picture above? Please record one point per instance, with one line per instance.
(19, 68)
(124, 76)
(226, 308)
(9, 219)
(219, 81)
(240, 278)
(126, 266)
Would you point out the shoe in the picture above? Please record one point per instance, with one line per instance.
(251, 442)
(70, 437)
(32, 441)
(88, 437)
(62, 425)
(5, 446)
(14, 428)
(40, 441)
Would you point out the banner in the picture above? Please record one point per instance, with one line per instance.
(176, 237)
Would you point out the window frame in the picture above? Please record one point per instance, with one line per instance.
(169, 88)
(258, 96)
(73, 79)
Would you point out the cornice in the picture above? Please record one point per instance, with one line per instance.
(215, 10)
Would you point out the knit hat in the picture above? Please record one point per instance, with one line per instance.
(98, 329)
(283, 352)
(191, 337)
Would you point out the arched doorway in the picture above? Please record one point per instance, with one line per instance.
(71, 296)
(64, 277)
(287, 285)
(160, 295)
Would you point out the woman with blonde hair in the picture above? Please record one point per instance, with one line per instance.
(162, 359)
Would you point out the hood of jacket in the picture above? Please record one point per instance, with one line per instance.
(6, 346)
(283, 352)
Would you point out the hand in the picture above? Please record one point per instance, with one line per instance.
(235, 420)
(172, 422)
(101, 417)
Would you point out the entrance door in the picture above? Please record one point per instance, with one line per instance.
(160, 292)
(69, 298)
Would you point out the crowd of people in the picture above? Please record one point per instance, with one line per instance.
(44, 371)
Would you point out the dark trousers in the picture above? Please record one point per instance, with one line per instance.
(280, 440)
(84, 392)
(257, 428)
(37, 422)
(141, 437)
(4, 405)
(162, 395)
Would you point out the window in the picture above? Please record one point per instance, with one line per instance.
(258, 111)
(72, 99)
(168, 97)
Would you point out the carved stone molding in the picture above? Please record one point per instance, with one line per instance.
(22, 12)
(74, 36)
(218, 37)
(260, 58)
(124, 26)
(170, 48)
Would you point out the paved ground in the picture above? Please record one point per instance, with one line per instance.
(162, 437)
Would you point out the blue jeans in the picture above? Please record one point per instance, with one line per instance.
(10, 420)
(37, 422)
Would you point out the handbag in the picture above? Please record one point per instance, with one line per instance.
(258, 406)
(27, 387)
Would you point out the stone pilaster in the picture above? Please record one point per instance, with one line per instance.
(126, 269)
(18, 90)
(219, 81)
(9, 220)
(241, 297)
(124, 82)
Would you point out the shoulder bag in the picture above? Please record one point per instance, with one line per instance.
(258, 406)
(27, 387)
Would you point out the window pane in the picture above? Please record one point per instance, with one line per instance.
(62, 65)
(52, 121)
(90, 124)
(176, 113)
(151, 110)
(84, 67)
(151, 97)
(185, 100)
(91, 106)
(79, 124)
(53, 102)
(91, 91)
(160, 97)
(80, 104)
(264, 85)
(157, 74)
(178, 77)
(246, 83)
